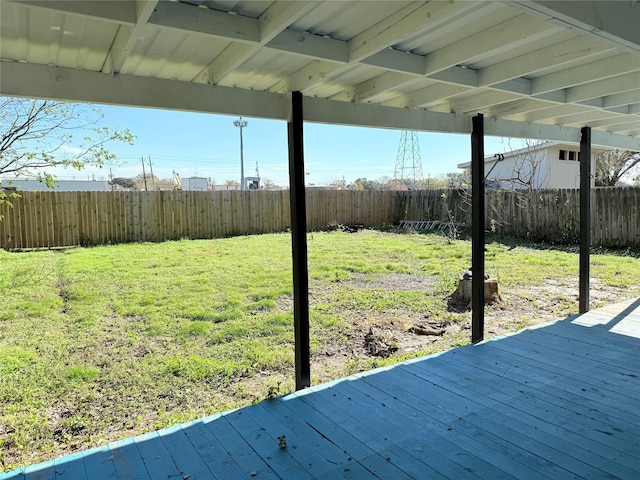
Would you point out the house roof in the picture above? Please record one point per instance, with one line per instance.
(535, 69)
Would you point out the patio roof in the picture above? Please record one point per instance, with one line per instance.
(557, 401)
(536, 69)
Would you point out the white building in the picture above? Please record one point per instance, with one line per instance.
(544, 165)
(195, 184)
(60, 186)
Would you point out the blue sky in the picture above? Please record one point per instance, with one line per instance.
(207, 145)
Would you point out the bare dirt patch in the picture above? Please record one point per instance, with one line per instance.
(401, 333)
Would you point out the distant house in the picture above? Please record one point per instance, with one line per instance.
(61, 186)
(544, 165)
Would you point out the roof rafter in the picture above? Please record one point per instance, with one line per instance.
(606, 122)
(127, 37)
(584, 118)
(624, 83)
(272, 22)
(616, 22)
(427, 96)
(606, 68)
(621, 99)
(122, 12)
(496, 39)
(405, 22)
(541, 59)
(554, 112)
(206, 21)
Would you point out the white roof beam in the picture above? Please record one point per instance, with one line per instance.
(614, 21)
(311, 74)
(496, 39)
(279, 16)
(516, 107)
(225, 62)
(623, 83)
(344, 113)
(273, 21)
(205, 21)
(39, 81)
(479, 101)
(404, 23)
(127, 36)
(387, 31)
(382, 83)
(309, 45)
(544, 58)
(606, 68)
(396, 60)
(552, 113)
(620, 99)
(122, 12)
(624, 127)
(625, 122)
(370, 46)
(427, 96)
(584, 117)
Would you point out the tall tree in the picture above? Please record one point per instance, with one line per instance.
(613, 165)
(37, 135)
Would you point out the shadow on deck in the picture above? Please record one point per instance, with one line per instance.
(557, 401)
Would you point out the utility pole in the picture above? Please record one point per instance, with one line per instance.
(240, 123)
(111, 179)
(144, 175)
(153, 179)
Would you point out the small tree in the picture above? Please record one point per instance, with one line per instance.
(527, 172)
(36, 135)
(125, 183)
(613, 165)
(456, 180)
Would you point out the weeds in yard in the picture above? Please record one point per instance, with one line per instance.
(100, 343)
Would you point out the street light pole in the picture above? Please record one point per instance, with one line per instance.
(240, 123)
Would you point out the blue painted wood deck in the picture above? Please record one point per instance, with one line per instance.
(553, 402)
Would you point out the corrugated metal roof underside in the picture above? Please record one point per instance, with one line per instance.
(512, 61)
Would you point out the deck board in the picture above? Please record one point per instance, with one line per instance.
(127, 459)
(383, 459)
(537, 419)
(218, 460)
(556, 401)
(534, 399)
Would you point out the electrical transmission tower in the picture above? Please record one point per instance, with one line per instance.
(408, 163)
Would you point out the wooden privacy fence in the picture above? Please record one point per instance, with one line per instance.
(60, 219)
(540, 215)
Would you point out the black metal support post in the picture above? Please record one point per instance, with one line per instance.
(585, 217)
(299, 243)
(477, 229)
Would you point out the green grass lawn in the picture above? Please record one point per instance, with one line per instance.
(106, 342)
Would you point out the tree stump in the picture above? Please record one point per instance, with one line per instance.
(462, 295)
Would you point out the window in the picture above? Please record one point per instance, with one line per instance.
(570, 155)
